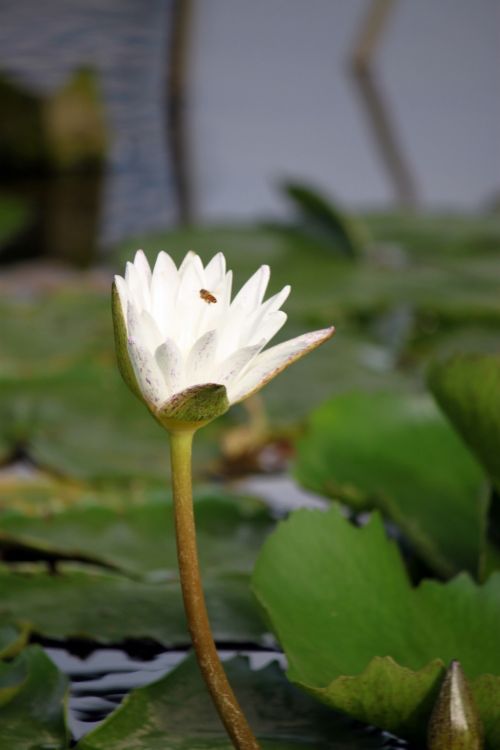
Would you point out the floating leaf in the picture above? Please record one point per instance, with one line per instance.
(440, 235)
(176, 713)
(467, 387)
(140, 539)
(13, 638)
(33, 694)
(49, 335)
(85, 424)
(397, 453)
(360, 638)
(81, 603)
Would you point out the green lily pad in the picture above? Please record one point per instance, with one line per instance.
(85, 424)
(467, 387)
(82, 603)
(33, 695)
(360, 638)
(140, 539)
(13, 638)
(438, 234)
(175, 713)
(397, 453)
(50, 335)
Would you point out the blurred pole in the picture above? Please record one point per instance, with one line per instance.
(178, 61)
(361, 64)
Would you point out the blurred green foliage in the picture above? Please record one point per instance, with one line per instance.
(403, 291)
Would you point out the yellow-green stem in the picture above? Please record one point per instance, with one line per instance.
(194, 600)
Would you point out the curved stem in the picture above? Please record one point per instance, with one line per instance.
(194, 601)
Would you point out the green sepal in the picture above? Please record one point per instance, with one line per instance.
(122, 355)
(455, 722)
(195, 406)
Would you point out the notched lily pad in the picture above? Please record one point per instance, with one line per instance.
(140, 539)
(80, 603)
(360, 638)
(397, 453)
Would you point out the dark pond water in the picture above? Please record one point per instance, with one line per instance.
(101, 677)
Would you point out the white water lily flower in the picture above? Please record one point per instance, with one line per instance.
(177, 330)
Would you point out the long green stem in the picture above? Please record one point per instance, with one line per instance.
(194, 601)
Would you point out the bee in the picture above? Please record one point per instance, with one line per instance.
(207, 296)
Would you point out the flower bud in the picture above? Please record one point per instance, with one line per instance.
(455, 722)
(187, 349)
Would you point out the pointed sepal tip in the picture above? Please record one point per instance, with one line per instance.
(455, 723)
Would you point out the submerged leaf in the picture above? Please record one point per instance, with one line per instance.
(176, 713)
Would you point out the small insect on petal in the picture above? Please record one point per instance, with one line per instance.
(207, 296)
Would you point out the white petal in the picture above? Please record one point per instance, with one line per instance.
(164, 286)
(201, 358)
(252, 293)
(121, 288)
(274, 303)
(228, 370)
(190, 309)
(268, 328)
(231, 331)
(227, 287)
(150, 335)
(271, 362)
(147, 373)
(132, 318)
(215, 271)
(138, 290)
(142, 265)
(170, 362)
(192, 265)
(165, 264)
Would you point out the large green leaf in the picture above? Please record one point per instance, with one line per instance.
(82, 603)
(360, 638)
(140, 539)
(175, 713)
(397, 453)
(467, 387)
(33, 695)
